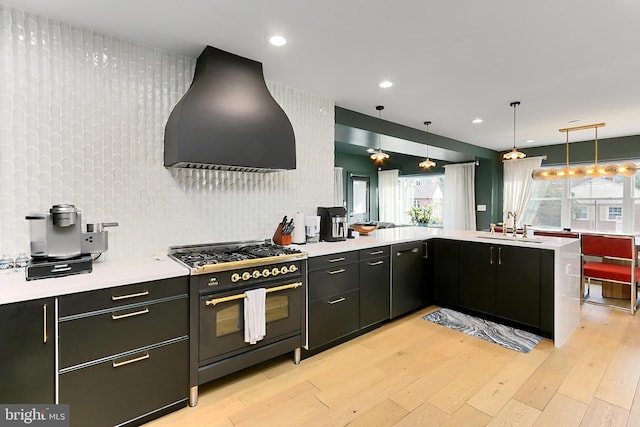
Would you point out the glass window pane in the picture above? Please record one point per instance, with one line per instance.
(420, 192)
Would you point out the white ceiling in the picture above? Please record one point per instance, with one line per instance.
(450, 61)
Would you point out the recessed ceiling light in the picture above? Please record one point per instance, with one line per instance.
(476, 121)
(573, 121)
(385, 84)
(277, 40)
(529, 141)
(371, 150)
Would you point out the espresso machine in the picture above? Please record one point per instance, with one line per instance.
(333, 224)
(58, 245)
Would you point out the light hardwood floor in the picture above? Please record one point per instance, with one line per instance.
(411, 372)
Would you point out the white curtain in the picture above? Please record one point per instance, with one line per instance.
(459, 197)
(388, 196)
(338, 187)
(517, 185)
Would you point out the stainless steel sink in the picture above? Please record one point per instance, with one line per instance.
(510, 238)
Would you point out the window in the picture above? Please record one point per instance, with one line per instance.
(421, 191)
(604, 204)
(615, 213)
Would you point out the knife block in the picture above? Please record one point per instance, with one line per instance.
(281, 239)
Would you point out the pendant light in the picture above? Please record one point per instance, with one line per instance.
(595, 170)
(379, 155)
(514, 153)
(427, 163)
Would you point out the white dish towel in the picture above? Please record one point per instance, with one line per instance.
(255, 327)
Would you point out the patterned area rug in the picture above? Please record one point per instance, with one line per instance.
(506, 336)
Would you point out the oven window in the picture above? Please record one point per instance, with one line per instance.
(277, 307)
(229, 321)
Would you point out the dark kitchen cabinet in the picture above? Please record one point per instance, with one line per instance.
(334, 297)
(27, 352)
(408, 278)
(477, 277)
(513, 283)
(123, 352)
(446, 265)
(375, 292)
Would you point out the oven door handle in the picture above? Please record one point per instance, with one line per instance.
(215, 301)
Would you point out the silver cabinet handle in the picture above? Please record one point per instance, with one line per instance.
(336, 259)
(491, 255)
(376, 252)
(335, 301)
(120, 297)
(134, 360)
(124, 316)
(341, 270)
(426, 251)
(44, 323)
(414, 250)
(499, 256)
(375, 263)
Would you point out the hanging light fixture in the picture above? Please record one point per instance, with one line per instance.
(427, 163)
(592, 171)
(514, 153)
(379, 155)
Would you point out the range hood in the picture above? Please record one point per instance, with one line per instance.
(228, 120)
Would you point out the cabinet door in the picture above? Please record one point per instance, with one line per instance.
(518, 284)
(447, 272)
(374, 291)
(477, 276)
(333, 317)
(27, 355)
(408, 285)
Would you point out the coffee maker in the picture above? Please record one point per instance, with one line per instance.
(58, 245)
(333, 224)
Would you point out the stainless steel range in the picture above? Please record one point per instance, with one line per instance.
(221, 273)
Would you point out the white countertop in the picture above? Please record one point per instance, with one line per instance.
(387, 236)
(14, 287)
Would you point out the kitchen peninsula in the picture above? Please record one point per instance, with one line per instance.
(562, 254)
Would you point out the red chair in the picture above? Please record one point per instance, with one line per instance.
(610, 258)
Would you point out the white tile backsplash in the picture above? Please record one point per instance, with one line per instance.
(82, 119)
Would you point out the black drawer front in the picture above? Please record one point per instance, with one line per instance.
(104, 395)
(122, 295)
(333, 281)
(89, 338)
(333, 318)
(332, 260)
(381, 251)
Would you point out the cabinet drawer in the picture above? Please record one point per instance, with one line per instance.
(102, 335)
(333, 281)
(122, 295)
(332, 318)
(120, 389)
(327, 261)
(380, 251)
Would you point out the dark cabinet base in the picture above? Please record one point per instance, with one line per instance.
(120, 389)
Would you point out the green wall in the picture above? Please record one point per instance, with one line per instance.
(362, 166)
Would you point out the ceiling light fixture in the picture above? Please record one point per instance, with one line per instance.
(593, 171)
(476, 121)
(514, 154)
(385, 84)
(427, 163)
(277, 40)
(379, 155)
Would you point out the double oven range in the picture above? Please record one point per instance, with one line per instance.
(220, 275)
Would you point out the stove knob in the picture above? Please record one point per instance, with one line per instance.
(246, 275)
(275, 271)
(255, 274)
(266, 272)
(284, 270)
(293, 268)
(235, 277)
